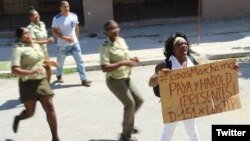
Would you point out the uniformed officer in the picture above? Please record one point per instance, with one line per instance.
(116, 62)
(40, 35)
(27, 63)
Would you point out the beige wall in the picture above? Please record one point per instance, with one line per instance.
(96, 12)
(225, 9)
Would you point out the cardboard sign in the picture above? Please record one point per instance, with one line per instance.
(199, 90)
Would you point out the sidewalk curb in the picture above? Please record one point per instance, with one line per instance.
(229, 55)
(94, 67)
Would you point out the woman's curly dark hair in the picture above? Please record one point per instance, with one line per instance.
(168, 50)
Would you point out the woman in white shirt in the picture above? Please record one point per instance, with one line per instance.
(177, 52)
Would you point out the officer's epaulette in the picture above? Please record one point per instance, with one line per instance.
(16, 46)
(19, 44)
(105, 43)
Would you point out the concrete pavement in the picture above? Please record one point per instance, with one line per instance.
(94, 114)
(218, 39)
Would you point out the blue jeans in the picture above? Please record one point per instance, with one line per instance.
(76, 52)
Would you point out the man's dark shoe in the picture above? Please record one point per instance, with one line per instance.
(59, 79)
(135, 131)
(15, 124)
(86, 83)
(123, 138)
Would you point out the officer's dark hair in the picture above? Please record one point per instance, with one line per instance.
(31, 10)
(19, 32)
(108, 24)
(168, 50)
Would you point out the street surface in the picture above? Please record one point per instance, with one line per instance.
(94, 113)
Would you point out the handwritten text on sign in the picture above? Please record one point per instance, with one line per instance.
(199, 90)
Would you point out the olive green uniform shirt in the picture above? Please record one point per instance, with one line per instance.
(28, 57)
(39, 33)
(112, 52)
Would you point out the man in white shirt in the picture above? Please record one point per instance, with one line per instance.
(65, 28)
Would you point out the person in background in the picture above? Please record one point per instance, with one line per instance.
(27, 62)
(40, 35)
(117, 64)
(65, 28)
(177, 52)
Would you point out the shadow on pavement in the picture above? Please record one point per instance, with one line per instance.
(244, 67)
(245, 48)
(101, 140)
(56, 85)
(9, 140)
(10, 104)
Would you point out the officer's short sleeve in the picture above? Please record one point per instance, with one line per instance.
(16, 57)
(104, 55)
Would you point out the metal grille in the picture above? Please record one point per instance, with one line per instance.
(132, 10)
(13, 13)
